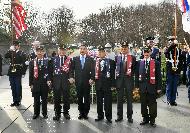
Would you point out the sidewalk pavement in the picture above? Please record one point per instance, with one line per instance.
(19, 119)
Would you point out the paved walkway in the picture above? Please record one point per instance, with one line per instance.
(19, 120)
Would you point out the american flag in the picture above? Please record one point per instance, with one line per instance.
(19, 15)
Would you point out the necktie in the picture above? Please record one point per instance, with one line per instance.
(146, 66)
(61, 61)
(124, 63)
(82, 62)
(40, 63)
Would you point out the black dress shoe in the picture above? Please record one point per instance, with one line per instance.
(67, 116)
(35, 116)
(13, 104)
(80, 117)
(17, 104)
(85, 117)
(173, 104)
(45, 116)
(56, 117)
(130, 120)
(152, 124)
(99, 119)
(109, 120)
(144, 122)
(119, 120)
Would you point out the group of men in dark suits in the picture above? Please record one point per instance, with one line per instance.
(124, 74)
(83, 70)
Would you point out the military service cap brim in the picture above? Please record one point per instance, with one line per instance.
(16, 42)
(150, 38)
(40, 47)
(124, 44)
(101, 48)
(63, 47)
(146, 49)
(171, 38)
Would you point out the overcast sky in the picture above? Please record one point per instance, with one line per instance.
(82, 8)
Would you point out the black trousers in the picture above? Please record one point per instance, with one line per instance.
(43, 96)
(58, 93)
(107, 95)
(83, 92)
(126, 89)
(148, 106)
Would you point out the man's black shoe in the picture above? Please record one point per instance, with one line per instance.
(109, 120)
(56, 118)
(67, 116)
(130, 120)
(152, 124)
(13, 104)
(99, 119)
(119, 120)
(35, 116)
(173, 104)
(45, 116)
(144, 122)
(85, 117)
(80, 117)
(17, 104)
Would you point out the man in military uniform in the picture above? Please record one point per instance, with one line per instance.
(149, 73)
(125, 70)
(104, 81)
(61, 69)
(155, 52)
(16, 70)
(39, 81)
(83, 68)
(109, 53)
(174, 66)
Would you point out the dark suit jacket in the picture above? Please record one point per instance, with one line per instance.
(41, 80)
(119, 79)
(82, 76)
(144, 85)
(106, 83)
(60, 81)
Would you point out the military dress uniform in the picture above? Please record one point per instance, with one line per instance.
(174, 68)
(125, 71)
(17, 68)
(61, 70)
(156, 54)
(149, 75)
(104, 80)
(155, 51)
(38, 77)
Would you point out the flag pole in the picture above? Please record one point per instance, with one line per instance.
(12, 32)
(175, 30)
